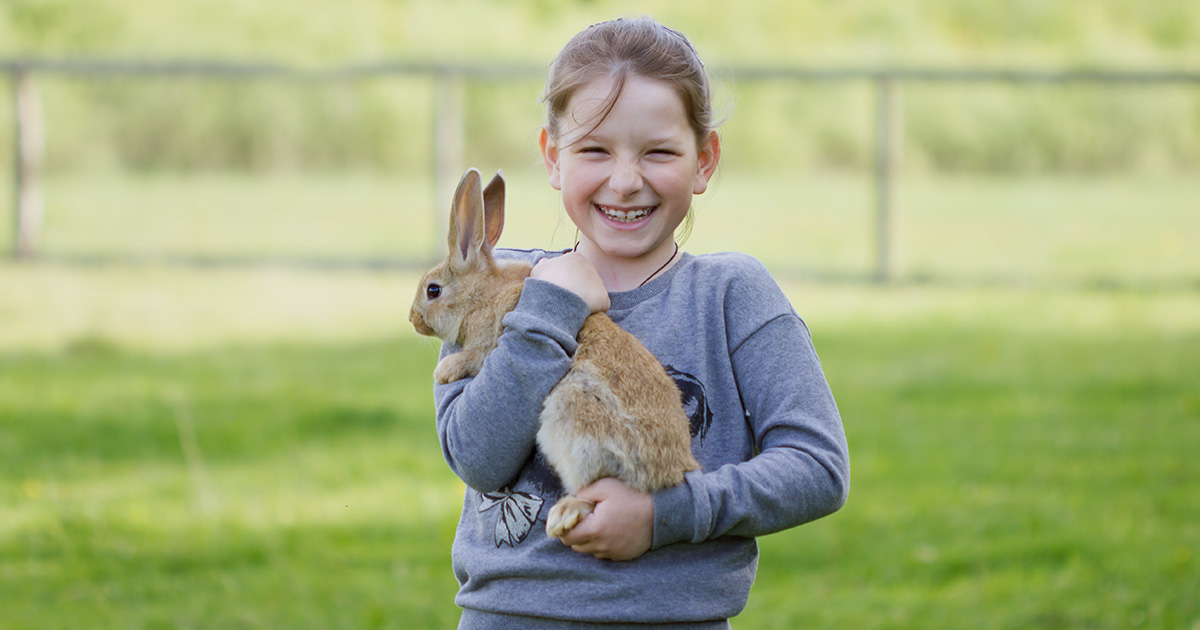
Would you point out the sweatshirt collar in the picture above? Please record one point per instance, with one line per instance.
(623, 300)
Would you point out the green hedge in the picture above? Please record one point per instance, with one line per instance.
(182, 124)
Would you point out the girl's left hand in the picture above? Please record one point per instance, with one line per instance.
(574, 273)
(620, 528)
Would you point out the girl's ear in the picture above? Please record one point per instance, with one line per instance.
(710, 155)
(550, 157)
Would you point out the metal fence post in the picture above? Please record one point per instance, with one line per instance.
(28, 150)
(447, 149)
(886, 140)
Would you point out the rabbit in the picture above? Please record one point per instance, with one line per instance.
(616, 413)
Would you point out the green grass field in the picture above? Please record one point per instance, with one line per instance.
(1038, 230)
(214, 448)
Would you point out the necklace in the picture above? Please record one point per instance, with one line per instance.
(664, 266)
(656, 271)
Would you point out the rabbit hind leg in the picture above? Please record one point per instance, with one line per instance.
(576, 426)
(566, 514)
(574, 437)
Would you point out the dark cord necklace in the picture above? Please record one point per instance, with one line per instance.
(664, 266)
(656, 271)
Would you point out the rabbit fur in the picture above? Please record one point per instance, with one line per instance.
(616, 413)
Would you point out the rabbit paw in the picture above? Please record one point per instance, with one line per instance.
(456, 366)
(566, 514)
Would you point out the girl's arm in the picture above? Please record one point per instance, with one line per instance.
(801, 471)
(487, 425)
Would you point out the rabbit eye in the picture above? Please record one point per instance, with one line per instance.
(433, 291)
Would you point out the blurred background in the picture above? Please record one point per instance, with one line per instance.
(213, 213)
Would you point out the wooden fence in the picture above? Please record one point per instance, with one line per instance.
(447, 146)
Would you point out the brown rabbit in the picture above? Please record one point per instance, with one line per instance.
(615, 414)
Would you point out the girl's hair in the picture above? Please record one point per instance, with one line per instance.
(621, 47)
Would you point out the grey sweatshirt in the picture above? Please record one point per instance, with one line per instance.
(764, 426)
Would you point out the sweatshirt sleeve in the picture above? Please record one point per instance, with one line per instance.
(800, 471)
(487, 425)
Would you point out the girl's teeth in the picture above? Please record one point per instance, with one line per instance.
(625, 217)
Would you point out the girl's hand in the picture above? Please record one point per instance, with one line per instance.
(620, 528)
(574, 273)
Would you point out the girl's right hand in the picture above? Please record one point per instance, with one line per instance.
(574, 273)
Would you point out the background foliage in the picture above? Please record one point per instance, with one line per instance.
(155, 125)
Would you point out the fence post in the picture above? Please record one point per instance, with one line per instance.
(29, 148)
(887, 133)
(447, 149)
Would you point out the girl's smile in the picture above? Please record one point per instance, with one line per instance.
(627, 217)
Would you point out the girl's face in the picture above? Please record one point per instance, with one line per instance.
(628, 183)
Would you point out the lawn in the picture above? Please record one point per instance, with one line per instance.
(1034, 230)
(255, 449)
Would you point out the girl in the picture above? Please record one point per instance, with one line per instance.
(629, 140)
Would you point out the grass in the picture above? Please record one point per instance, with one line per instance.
(1040, 230)
(316, 497)
(217, 448)
(1005, 478)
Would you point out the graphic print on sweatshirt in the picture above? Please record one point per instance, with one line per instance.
(517, 512)
(695, 402)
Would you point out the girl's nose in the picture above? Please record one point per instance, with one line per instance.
(626, 179)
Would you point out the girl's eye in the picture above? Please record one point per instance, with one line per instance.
(433, 291)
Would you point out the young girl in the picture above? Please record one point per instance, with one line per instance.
(629, 140)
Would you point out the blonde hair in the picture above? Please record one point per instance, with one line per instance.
(619, 48)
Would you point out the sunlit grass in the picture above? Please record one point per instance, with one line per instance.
(51, 307)
(1036, 230)
(245, 454)
(271, 486)
(238, 216)
(1005, 479)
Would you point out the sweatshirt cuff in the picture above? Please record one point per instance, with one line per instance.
(674, 515)
(543, 304)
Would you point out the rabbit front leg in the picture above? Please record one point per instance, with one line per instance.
(481, 330)
(458, 366)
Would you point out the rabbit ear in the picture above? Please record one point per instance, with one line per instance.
(466, 233)
(493, 209)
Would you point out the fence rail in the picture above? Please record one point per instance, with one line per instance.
(226, 69)
(446, 152)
